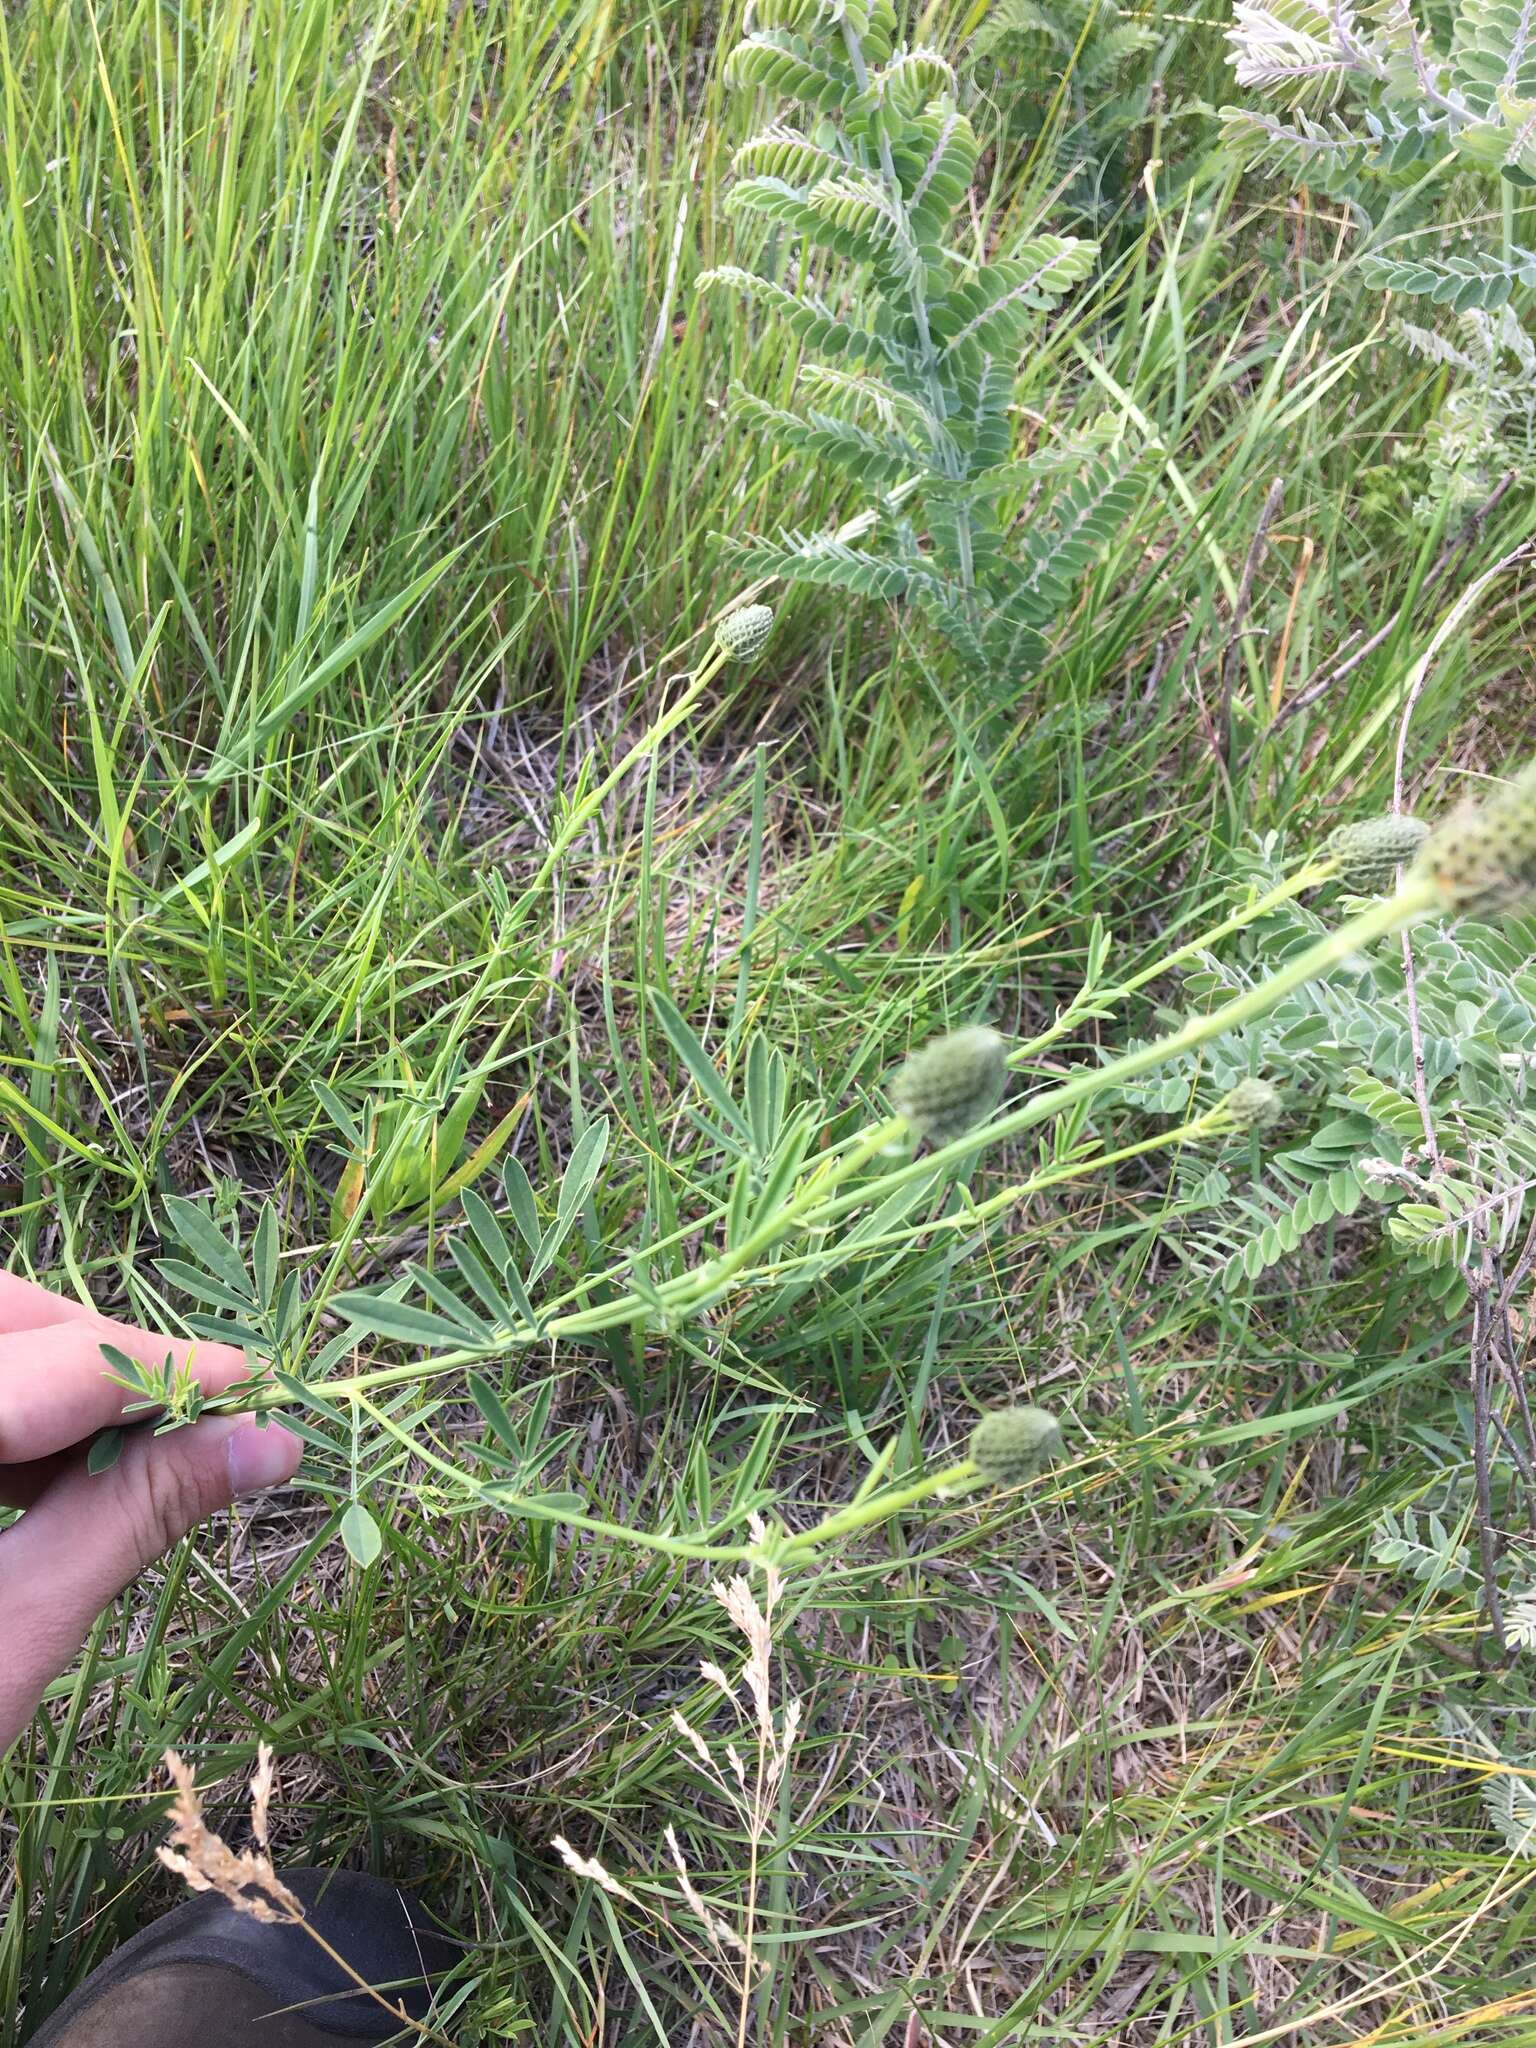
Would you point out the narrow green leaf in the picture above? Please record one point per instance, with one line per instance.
(202, 1287)
(480, 1280)
(489, 1234)
(581, 1170)
(193, 1226)
(398, 1319)
(520, 1198)
(693, 1056)
(240, 750)
(264, 1255)
(338, 1113)
(488, 1401)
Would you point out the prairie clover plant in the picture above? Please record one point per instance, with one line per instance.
(906, 386)
(799, 1195)
(1405, 1108)
(1368, 106)
(1343, 1053)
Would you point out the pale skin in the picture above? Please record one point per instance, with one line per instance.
(83, 1537)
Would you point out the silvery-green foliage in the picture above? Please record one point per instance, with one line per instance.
(1508, 1793)
(1362, 103)
(1520, 1620)
(910, 359)
(1366, 91)
(1487, 424)
(1425, 1550)
(1342, 1054)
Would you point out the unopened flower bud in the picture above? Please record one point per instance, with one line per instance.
(1370, 852)
(1013, 1444)
(1253, 1105)
(744, 634)
(953, 1083)
(1483, 858)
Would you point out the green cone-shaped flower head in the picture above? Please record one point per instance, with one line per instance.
(1370, 852)
(744, 634)
(1013, 1444)
(1483, 858)
(952, 1084)
(1253, 1105)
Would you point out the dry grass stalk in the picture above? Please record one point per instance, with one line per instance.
(246, 1879)
(589, 1868)
(205, 1861)
(749, 1788)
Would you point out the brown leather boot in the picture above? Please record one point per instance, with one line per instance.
(205, 1976)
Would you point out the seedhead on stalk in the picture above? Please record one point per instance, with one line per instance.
(1370, 852)
(952, 1084)
(1253, 1105)
(1483, 858)
(1014, 1444)
(744, 634)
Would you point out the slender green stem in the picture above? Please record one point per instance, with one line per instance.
(821, 1201)
(587, 807)
(711, 1277)
(1417, 897)
(818, 1204)
(536, 1510)
(1092, 1001)
(1212, 1124)
(683, 1295)
(780, 1547)
(708, 1279)
(879, 1508)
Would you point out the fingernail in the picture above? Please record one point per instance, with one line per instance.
(262, 1455)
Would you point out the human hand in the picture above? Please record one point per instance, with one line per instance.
(83, 1535)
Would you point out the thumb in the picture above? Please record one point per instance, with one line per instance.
(89, 1534)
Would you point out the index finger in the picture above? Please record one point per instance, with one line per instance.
(56, 1389)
